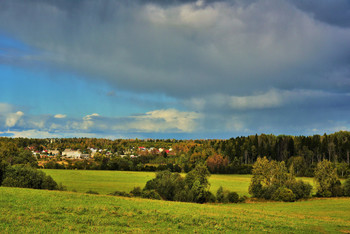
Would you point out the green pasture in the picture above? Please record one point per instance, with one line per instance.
(105, 182)
(42, 211)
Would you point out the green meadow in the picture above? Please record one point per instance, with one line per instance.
(105, 182)
(42, 211)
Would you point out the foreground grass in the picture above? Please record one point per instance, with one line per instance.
(105, 182)
(26, 210)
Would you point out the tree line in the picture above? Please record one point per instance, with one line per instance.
(234, 155)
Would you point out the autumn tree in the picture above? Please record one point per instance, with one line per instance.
(217, 163)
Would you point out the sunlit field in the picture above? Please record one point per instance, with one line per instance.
(27, 210)
(105, 182)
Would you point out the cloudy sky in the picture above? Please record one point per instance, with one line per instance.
(173, 69)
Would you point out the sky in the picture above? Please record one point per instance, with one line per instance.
(173, 69)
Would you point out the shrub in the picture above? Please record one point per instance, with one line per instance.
(243, 198)
(256, 189)
(283, 194)
(225, 196)
(3, 166)
(166, 184)
(182, 196)
(347, 187)
(272, 181)
(220, 196)
(61, 187)
(269, 191)
(171, 186)
(233, 197)
(151, 194)
(27, 177)
(137, 192)
(120, 193)
(91, 192)
(210, 197)
(300, 189)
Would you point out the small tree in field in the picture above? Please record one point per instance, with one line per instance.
(272, 181)
(328, 184)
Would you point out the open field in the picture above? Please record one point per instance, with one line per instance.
(27, 210)
(106, 182)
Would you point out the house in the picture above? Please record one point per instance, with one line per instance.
(84, 156)
(69, 153)
(53, 152)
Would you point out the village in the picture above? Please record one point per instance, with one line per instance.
(89, 153)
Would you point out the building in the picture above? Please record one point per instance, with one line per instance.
(69, 153)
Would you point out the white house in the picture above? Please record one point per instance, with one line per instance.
(68, 153)
(53, 152)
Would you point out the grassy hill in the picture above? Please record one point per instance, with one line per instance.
(27, 210)
(106, 182)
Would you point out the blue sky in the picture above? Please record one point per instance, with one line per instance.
(173, 69)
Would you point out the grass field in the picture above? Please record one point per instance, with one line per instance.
(41, 211)
(105, 182)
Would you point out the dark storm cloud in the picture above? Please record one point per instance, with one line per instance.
(184, 50)
(235, 61)
(329, 11)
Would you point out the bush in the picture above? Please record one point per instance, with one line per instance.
(269, 191)
(210, 197)
(243, 198)
(284, 194)
(225, 196)
(233, 197)
(137, 192)
(27, 177)
(171, 186)
(151, 194)
(337, 190)
(220, 196)
(166, 184)
(120, 193)
(272, 181)
(347, 187)
(61, 187)
(300, 189)
(91, 192)
(3, 166)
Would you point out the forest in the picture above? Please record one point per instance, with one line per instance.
(231, 156)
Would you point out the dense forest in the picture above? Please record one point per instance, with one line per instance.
(235, 155)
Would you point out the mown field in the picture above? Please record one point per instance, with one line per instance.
(105, 182)
(41, 211)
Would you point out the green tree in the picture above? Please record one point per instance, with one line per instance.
(272, 181)
(197, 184)
(166, 184)
(326, 179)
(342, 168)
(27, 177)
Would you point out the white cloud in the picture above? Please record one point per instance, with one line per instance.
(33, 133)
(90, 117)
(165, 120)
(12, 118)
(60, 116)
